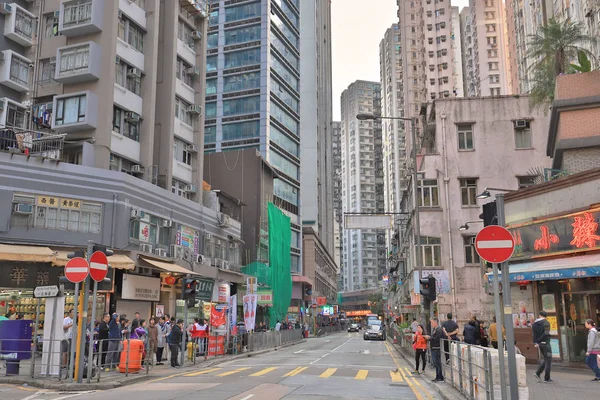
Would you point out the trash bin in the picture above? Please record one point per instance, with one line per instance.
(133, 356)
(190, 352)
(15, 343)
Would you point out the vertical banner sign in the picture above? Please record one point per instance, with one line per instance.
(250, 301)
(218, 318)
(216, 345)
(233, 311)
(223, 293)
(251, 285)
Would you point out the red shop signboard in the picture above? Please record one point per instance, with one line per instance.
(560, 235)
(216, 345)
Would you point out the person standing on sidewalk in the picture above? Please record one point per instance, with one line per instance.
(163, 331)
(434, 342)
(114, 340)
(450, 328)
(541, 339)
(420, 347)
(493, 333)
(103, 331)
(593, 348)
(175, 342)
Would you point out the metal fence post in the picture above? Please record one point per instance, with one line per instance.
(451, 361)
(471, 380)
(460, 373)
(490, 366)
(127, 357)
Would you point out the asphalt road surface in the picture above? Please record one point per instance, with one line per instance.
(341, 366)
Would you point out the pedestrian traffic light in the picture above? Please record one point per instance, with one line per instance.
(428, 289)
(103, 249)
(490, 214)
(76, 253)
(189, 288)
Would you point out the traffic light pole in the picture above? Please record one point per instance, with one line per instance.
(417, 224)
(499, 322)
(84, 321)
(185, 322)
(506, 296)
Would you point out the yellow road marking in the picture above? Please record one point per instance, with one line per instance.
(362, 374)
(410, 384)
(235, 371)
(427, 393)
(166, 377)
(264, 371)
(206, 371)
(396, 376)
(295, 372)
(328, 373)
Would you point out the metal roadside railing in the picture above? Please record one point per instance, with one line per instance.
(470, 369)
(330, 329)
(270, 339)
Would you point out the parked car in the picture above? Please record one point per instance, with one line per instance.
(374, 330)
(353, 328)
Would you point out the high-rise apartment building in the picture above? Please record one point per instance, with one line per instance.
(253, 92)
(364, 257)
(457, 60)
(586, 12)
(140, 48)
(488, 50)
(336, 139)
(316, 172)
(468, 51)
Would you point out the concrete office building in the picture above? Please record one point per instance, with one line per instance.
(253, 92)
(488, 50)
(316, 172)
(364, 256)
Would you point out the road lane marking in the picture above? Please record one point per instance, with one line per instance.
(429, 396)
(165, 378)
(299, 351)
(396, 376)
(248, 397)
(206, 371)
(295, 372)
(362, 374)
(328, 373)
(399, 369)
(235, 371)
(341, 345)
(264, 371)
(320, 358)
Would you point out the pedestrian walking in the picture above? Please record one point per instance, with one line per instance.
(420, 347)
(493, 333)
(450, 328)
(469, 333)
(541, 339)
(593, 348)
(152, 339)
(434, 343)
(175, 339)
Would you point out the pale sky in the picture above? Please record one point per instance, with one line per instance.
(357, 28)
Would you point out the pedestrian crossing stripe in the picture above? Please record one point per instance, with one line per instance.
(235, 371)
(206, 371)
(328, 373)
(264, 371)
(362, 374)
(295, 372)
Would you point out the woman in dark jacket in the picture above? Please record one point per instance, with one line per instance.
(469, 333)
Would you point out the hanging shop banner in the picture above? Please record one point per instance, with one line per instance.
(204, 289)
(223, 295)
(265, 297)
(321, 301)
(250, 301)
(442, 279)
(136, 287)
(144, 235)
(218, 317)
(188, 237)
(358, 313)
(560, 235)
(233, 311)
(216, 345)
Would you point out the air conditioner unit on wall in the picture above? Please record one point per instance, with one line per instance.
(160, 252)
(167, 223)
(137, 169)
(521, 123)
(146, 248)
(176, 251)
(137, 213)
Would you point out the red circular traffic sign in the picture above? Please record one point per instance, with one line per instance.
(494, 244)
(98, 266)
(76, 270)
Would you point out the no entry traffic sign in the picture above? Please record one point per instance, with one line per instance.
(98, 266)
(76, 269)
(494, 244)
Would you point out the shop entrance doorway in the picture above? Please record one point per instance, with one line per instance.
(577, 307)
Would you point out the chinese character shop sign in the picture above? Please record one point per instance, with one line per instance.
(565, 234)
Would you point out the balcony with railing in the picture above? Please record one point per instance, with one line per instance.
(30, 143)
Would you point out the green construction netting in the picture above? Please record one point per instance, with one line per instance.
(261, 271)
(280, 237)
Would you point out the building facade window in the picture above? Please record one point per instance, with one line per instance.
(19, 71)
(50, 26)
(494, 91)
(526, 181)
(178, 188)
(70, 110)
(47, 70)
(241, 130)
(283, 49)
(123, 78)
(468, 192)
(234, 83)
(130, 33)
(182, 69)
(74, 60)
(285, 191)
(284, 141)
(471, 256)
(242, 35)
(184, 33)
(284, 118)
(15, 117)
(211, 63)
(244, 105)
(288, 12)
(180, 152)
(283, 71)
(182, 113)
(465, 137)
(523, 136)
(285, 165)
(285, 95)
(210, 110)
(126, 124)
(242, 12)
(211, 86)
(77, 12)
(428, 192)
(242, 58)
(431, 251)
(289, 34)
(23, 25)
(210, 134)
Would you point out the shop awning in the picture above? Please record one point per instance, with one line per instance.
(302, 279)
(118, 261)
(555, 269)
(26, 253)
(167, 266)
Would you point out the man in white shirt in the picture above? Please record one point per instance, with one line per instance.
(278, 326)
(68, 335)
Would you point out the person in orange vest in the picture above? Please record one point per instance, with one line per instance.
(420, 347)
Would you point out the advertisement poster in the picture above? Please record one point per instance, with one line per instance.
(223, 293)
(233, 311)
(442, 279)
(321, 301)
(251, 284)
(188, 237)
(160, 311)
(554, 345)
(216, 345)
(250, 301)
(553, 324)
(136, 287)
(218, 318)
(144, 235)
(548, 303)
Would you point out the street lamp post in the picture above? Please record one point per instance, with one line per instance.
(418, 253)
(507, 309)
(465, 227)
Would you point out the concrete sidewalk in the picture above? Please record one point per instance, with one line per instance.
(113, 380)
(569, 383)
